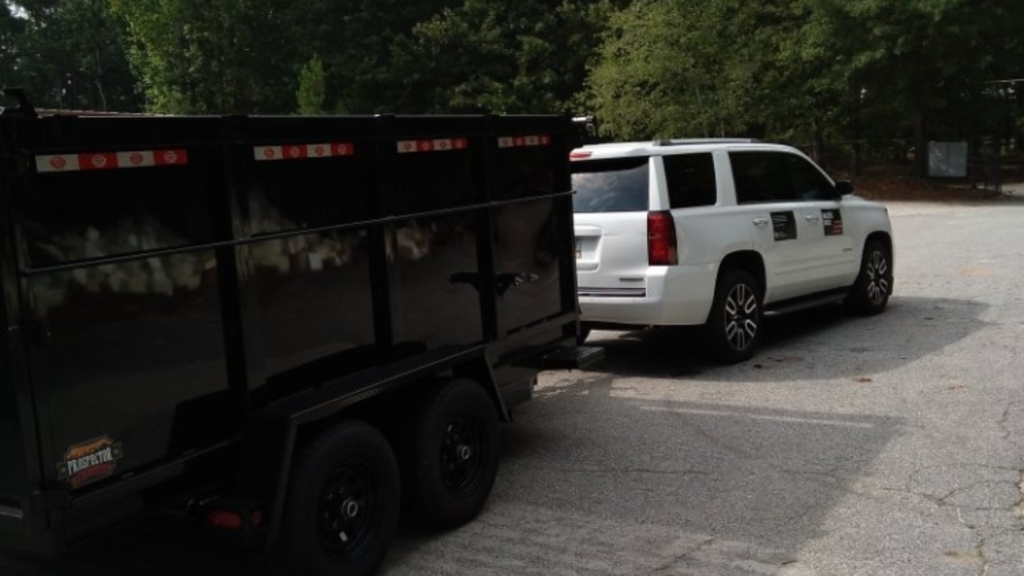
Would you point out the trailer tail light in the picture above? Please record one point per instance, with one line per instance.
(234, 520)
(661, 239)
(224, 519)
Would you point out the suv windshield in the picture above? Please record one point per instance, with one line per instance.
(618, 185)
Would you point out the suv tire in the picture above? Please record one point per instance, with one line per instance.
(869, 294)
(735, 324)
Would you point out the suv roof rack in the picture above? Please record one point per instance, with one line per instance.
(694, 141)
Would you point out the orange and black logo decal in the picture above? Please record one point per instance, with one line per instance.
(90, 461)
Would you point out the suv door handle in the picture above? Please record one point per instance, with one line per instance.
(759, 222)
(812, 217)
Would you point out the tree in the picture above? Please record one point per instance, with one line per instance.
(847, 69)
(669, 68)
(67, 54)
(311, 87)
(354, 39)
(195, 56)
(491, 56)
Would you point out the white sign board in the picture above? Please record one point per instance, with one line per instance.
(947, 159)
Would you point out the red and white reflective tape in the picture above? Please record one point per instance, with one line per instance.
(524, 141)
(435, 145)
(302, 151)
(110, 160)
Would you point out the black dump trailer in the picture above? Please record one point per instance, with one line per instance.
(292, 323)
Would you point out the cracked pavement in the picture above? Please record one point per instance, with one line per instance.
(847, 446)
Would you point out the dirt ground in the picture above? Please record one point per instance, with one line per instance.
(897, 183)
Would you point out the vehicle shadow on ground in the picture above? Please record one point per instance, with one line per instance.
(598, 483)
(152, 545)
(596, 480)
(822, 343)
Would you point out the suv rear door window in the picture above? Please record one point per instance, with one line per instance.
(619, 185)
(777, 177)
(691, 180)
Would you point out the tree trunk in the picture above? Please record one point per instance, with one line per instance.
(1019, 134)
(921, 144)
(818, 143)
(855, 161)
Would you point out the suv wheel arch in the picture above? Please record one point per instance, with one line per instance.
(750, 261)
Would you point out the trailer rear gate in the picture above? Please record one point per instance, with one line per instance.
(166, 278)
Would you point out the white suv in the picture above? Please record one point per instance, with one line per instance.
(717, 233)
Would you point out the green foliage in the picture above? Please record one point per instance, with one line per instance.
(311, 87)
(856, 68)
(11, 30)
(486, 55)
(67, 54)
(355, 38)
(798, 70)
(197, 56)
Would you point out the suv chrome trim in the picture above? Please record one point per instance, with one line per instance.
(612, 292)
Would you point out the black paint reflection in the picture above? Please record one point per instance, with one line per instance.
(526, 238)
(129, 344)
(430, 308)
(78, 216)
(315, 304)
(301, 194)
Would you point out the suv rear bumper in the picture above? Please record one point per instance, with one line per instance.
(673, 296)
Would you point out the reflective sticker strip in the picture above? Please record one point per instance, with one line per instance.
(110, 160)
(303, 151)
(435, 145)
(524, 141)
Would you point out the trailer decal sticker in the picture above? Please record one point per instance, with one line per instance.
(303, 151)
(435, 145)
(784, 225)
(832, 219)
(524, 141)
(90, 461)
(110, 160)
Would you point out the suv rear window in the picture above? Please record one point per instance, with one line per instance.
(691, 180)
(619, 185)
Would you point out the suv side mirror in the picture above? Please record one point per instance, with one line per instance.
(844, 188)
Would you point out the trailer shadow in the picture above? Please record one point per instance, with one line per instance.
(596, 480)
(817, 344)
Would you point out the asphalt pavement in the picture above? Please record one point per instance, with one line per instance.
(848, 446)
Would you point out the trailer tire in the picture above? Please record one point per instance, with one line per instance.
(449, 454)
(343, 503)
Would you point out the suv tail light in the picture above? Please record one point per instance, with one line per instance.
(661, 239)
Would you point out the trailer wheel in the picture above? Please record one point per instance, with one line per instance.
(450, 454)
(343, 503)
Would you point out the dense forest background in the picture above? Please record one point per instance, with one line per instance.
(823, 74)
